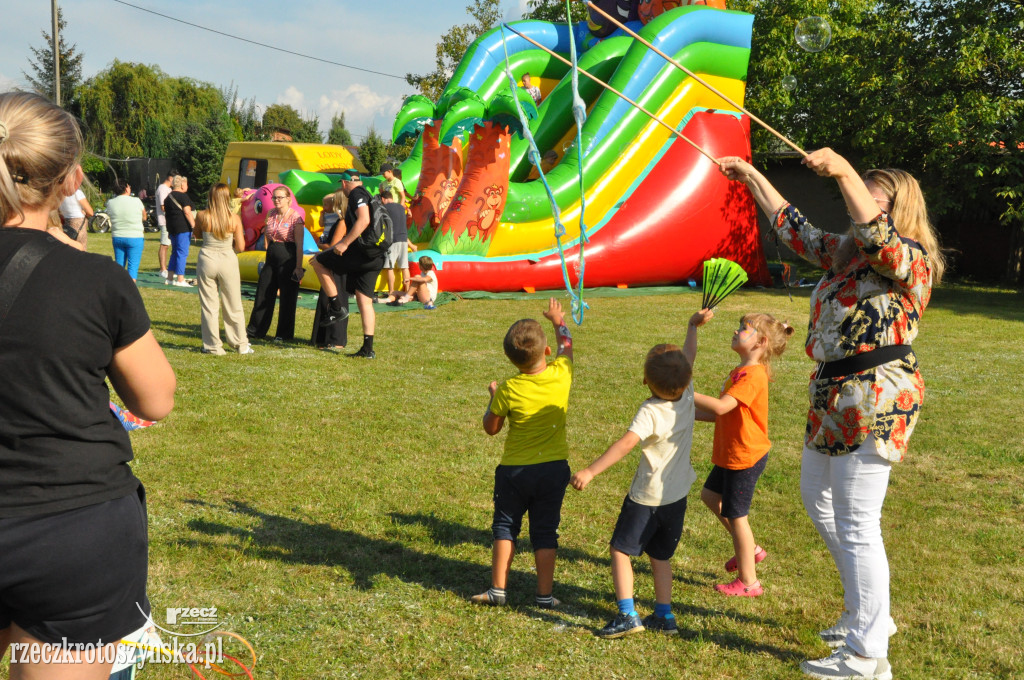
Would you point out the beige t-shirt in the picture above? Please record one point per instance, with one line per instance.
(665, 428)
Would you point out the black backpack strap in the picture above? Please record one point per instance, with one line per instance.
(18, 269)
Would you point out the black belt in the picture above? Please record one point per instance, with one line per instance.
(861, 362)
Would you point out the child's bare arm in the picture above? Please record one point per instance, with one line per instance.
(555, 315)
(696, 321)
(703, 416)
(613, 455)
(716, 406)
(492, 423)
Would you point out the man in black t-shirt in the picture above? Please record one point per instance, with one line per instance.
(347, 256)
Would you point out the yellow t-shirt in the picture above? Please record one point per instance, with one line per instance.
(535, 406)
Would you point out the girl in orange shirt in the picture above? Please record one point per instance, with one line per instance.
(740, 452)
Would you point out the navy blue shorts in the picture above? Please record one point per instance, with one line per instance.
(736, 487)
(651, 529)
(534, 489)
(79, 574)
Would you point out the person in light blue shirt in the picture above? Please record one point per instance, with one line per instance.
(126, 217)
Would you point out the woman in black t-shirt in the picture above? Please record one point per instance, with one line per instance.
(73, 539)
(180, 222)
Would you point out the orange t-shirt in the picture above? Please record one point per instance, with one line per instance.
(741, 435)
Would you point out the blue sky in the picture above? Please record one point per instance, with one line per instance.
(395, 37)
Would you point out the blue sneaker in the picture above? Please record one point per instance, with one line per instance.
(623, 624)
(661, 624)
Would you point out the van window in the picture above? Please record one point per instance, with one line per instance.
(252, 173)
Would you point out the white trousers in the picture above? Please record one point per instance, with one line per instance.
(843, 496)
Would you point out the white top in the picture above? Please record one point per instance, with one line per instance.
(432, 285)
(70, 208)
(665, 428)
(161, 195)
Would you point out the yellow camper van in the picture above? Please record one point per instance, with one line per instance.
(250, 165)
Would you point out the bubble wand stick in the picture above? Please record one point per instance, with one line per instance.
(608, 87)
(697, 78)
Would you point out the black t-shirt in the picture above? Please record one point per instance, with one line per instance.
(398, 228)
(357, 197)
(176, 221)
(60, 445)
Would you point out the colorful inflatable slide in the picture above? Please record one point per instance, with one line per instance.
(655, 208)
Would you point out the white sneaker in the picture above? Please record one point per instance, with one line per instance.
(843, 664)
(247, 350)
(182, 284)
(835, 635)
(163, 274)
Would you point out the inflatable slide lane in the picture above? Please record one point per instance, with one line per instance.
(655, 208)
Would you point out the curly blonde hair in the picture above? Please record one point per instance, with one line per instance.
(776, 332)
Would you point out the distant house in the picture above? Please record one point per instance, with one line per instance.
(281, 135)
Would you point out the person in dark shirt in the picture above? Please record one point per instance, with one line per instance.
(180, 216)
(348, 256)
(398, 254)
(73, 535)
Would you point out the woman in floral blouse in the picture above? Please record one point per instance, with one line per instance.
(866, 390)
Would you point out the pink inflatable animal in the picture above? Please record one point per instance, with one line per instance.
(255, 207)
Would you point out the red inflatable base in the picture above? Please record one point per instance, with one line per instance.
(683, 213)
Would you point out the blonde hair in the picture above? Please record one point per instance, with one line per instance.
(667, 371)
(40, 147)
(910, 214)
(777, 334)
(178, 181)
(525, 342)
(339, 202)
(217, 218)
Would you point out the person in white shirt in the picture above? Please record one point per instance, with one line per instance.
(75, 210)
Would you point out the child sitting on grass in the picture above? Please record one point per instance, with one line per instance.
(740, 449)
(651, 518)
(422, 287)
(534, 469)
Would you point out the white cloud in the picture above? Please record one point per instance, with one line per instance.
(515, 10)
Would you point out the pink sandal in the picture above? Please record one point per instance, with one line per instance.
(759, 556)
(737, 588)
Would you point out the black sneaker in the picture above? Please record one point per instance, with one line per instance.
(333, 316)
(363, 353)
(661, 624)
(623, 624)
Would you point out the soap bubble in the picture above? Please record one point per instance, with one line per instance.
(813, 33)
(789, 83)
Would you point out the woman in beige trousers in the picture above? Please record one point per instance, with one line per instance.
(217, 271)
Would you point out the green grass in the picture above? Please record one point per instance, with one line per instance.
(337, 512)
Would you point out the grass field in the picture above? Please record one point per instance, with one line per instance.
(337, 511)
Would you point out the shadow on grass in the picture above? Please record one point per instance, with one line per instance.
(446, 533)
(1003, 303)
(298, 542)
(293, 541)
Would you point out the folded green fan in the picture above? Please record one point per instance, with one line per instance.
(721, 277)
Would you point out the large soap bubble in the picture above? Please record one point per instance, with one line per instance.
(789, 83)
(813, 33)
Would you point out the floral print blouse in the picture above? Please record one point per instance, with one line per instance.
(875, 300)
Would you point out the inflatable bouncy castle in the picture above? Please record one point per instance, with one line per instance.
(654, 208)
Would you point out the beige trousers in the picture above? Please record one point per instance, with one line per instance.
(217, 274)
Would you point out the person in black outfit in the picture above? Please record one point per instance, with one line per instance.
(282, 269)
(349, 257)
(73, 534)
(334, 336)
(179, 211)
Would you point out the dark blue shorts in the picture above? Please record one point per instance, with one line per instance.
(736, 487)
(651, 529)
(79, 574)
(534, 489)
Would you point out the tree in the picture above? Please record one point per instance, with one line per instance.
(286, 119)
(905, 84)
(554, 10)
(138, 110)
(339, 134)
(41, 65)
(373, 152)
(245, 122)
(449, 52)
